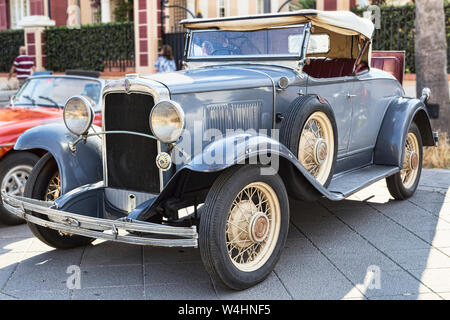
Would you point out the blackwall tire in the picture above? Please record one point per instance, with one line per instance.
(403, 184)
(37, 188)
(227, 211)
(15, 170)
(302, 111)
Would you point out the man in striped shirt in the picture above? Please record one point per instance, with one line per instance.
(23, 66)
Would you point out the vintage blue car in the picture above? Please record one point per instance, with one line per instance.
(268, 107)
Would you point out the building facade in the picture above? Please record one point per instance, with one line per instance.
(13, 11)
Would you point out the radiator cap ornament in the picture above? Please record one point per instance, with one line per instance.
(163, 161)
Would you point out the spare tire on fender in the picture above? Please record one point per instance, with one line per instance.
(309, 131)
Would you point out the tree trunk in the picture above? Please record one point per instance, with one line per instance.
(431, 57)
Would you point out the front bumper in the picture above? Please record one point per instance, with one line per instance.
(150, 234)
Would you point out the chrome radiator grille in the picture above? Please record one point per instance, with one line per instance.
(130, 159)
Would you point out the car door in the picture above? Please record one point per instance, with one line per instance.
(336, 91)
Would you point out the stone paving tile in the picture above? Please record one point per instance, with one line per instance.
(5, 274)
(38, 246)
(420, 296)
(111, 276)
(436, 279)
(415, 259)
(299, 246)
(171, 255)
(20, 231)
(190, 291)
(6, 297)
(271, 289)
(313, 277)
(356, 266)
(396, 282)
(342, 243)
(43, 271)
(445, 295)
(175, 273)
(14, 245)
(129, 292)
(437, 238)
(62, 294)
(112, 253)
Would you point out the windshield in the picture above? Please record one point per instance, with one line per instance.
(54, 91)
(283, 42)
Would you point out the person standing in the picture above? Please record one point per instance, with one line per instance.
(165, 62)
(23, 66)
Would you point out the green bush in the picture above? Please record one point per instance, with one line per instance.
(11, 41)
(88, 47)
(397, 31)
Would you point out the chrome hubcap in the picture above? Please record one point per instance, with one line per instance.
(14, 181)
(259, 227)
(320, 151)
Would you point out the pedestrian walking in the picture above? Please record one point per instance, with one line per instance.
(165, 62)
(23, 66)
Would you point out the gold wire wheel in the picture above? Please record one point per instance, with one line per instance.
(253, 226)
(316, 146)
(410, 161)
(54, 188)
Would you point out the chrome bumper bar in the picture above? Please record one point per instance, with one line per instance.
(112, 230)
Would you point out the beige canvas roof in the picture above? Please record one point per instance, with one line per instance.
(343, 22)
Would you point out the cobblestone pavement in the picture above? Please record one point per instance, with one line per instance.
(367, 247)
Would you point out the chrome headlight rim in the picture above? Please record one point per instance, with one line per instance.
(177, 107)
(87, 103)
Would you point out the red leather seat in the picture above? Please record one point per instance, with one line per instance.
(332, 68)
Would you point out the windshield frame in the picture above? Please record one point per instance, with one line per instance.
(97, 107)
(260, 57)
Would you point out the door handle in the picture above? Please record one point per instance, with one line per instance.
(350, 95)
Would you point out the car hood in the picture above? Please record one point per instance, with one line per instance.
(15, 120)
(223, 77)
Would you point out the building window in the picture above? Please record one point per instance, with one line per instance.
(18, 10)
(259, 6)
(221, 7)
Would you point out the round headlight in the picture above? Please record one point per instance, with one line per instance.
(167, 121)
(78, 115)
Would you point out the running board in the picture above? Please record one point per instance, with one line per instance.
(351, 182)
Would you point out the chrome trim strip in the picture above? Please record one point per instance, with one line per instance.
(95, 227)
(12, 144)
(133, 84)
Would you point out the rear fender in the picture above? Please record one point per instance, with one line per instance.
(389, 149)
(84, 166)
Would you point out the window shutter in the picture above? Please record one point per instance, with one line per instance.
(58, 9)
(37, 7)
(3, 15)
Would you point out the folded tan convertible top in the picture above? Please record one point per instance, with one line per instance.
(343, 22)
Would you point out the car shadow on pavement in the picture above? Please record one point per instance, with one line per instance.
(367, 247)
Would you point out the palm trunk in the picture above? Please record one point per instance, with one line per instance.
(431, 57)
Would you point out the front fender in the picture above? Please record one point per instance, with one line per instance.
(389, 149)
(241, 149)
(84, 166)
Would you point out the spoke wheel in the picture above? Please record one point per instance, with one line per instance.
(54, 188)
(410, 161)
(243, 226)
(403, 184)
(316, 146)
(253, 226)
